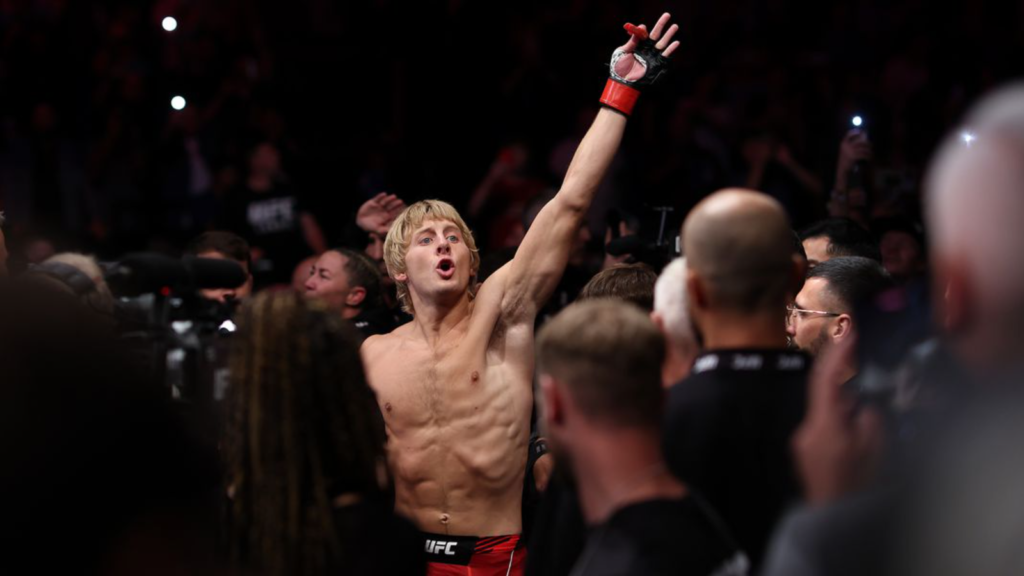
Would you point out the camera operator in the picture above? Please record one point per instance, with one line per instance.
(78, 274)
(162, 314)
(99, 475)
(224, 246)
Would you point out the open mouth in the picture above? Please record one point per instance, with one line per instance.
(446, 268)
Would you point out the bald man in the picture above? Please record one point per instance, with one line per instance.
(729, 422)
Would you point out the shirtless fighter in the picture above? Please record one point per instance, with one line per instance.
(455, 384)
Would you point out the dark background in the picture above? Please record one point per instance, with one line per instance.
(418, 99)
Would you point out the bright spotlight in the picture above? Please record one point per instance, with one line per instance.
(857, 121)
(967, 138)
(169, 24)
(178, 103)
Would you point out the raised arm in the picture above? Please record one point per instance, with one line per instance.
(534, 272)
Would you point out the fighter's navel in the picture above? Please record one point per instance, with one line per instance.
(444, 518)
(387, 406)
(475, 376)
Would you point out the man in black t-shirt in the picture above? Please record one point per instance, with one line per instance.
(729, 423)
(268, 213)
(599, 370)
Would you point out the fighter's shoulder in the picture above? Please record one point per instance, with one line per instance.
(380, 343)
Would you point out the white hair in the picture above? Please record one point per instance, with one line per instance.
(671, 305)
(85, 264)
(101, 299)
(975, 199)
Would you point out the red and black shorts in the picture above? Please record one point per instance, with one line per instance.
(470, 556)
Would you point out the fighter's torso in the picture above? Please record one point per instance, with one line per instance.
(458, 422)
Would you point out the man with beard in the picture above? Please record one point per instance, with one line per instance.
(823, 313)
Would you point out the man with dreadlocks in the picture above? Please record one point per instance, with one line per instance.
(454, 385)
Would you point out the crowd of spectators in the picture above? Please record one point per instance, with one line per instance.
(798, 394)
(93, 157)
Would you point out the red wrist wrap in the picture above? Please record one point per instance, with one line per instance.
(619, 96)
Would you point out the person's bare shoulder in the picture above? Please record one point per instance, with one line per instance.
(379, 344)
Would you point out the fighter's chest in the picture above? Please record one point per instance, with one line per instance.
(418, 389)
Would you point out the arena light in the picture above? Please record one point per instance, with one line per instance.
(857, 121)
(967, 138)
(169, 24)
(178, 103)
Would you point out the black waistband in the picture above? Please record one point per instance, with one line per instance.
(751, 361)
(461, 549)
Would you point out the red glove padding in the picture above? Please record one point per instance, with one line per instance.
(621, 93)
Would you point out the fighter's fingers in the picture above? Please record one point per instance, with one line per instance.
(636, 35)
(637, 32)
(671, 48)
(660, 26)
(667, 38)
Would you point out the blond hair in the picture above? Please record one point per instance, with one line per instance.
(396, 245)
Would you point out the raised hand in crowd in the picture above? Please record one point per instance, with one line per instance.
(849, 198)
(376, 214)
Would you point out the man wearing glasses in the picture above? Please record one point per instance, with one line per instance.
(823, 312)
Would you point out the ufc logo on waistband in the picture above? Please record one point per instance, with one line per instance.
(437, 546)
